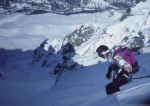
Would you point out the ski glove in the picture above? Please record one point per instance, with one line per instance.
(108, 75)
(110, 69)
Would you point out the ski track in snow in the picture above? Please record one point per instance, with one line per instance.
(136, 96)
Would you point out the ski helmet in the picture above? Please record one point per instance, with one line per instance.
(102, 50)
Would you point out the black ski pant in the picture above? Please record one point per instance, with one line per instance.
(114, 85)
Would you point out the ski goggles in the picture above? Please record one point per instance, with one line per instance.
(101, 54)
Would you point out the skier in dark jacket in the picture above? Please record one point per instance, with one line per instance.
(121, 67)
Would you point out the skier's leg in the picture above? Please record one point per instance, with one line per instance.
(112, 87)
(122, 80)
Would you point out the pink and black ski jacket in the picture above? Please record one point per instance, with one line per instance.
(119, 61)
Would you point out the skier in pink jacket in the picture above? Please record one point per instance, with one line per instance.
(122, 64)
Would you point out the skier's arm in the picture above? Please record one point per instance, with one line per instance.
(110, 69)
(123, 64)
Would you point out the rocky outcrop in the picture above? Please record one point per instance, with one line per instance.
(81, 35)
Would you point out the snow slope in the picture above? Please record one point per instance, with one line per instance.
(24, 85)
(84, 87)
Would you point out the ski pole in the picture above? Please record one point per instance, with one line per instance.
(146, 76)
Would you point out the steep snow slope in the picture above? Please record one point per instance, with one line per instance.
(24, 85)
(84, 87)
(136, 96)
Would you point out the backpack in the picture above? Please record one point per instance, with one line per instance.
(128, 56)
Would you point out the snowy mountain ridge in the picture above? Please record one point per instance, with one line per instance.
(64, 6)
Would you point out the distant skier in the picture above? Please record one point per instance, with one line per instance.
(122, 64)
